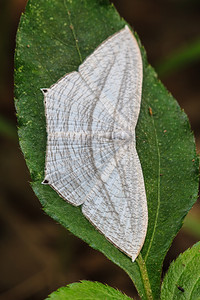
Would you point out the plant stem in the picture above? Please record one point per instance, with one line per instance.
(145, 277)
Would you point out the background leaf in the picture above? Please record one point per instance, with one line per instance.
(182, 280)
(54, 37)
(180, 59)
(87, 290)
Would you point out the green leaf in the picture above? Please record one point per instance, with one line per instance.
(182, 280)
(53, 38)
(87, 290)
(179, 59)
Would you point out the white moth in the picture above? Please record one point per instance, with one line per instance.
(91, 157)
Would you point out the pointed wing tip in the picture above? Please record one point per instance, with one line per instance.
(133, 257)
(129, 32)
(132, 254)
(127, 28)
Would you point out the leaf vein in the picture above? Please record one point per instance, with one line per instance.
(73, 32)
(158, 193)
(194, 286)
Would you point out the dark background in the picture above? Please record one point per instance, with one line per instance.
(37, 255)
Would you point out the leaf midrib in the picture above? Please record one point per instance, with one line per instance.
(140, 261)
(73, 32)
(158, 192)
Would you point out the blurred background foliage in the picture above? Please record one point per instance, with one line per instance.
(37, 255)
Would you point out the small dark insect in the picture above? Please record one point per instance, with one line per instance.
(181, 289)
(45, 181)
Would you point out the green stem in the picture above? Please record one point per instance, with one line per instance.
(145, 277)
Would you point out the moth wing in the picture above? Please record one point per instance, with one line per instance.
(114, 72)
(78, 137)
(117, 204)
